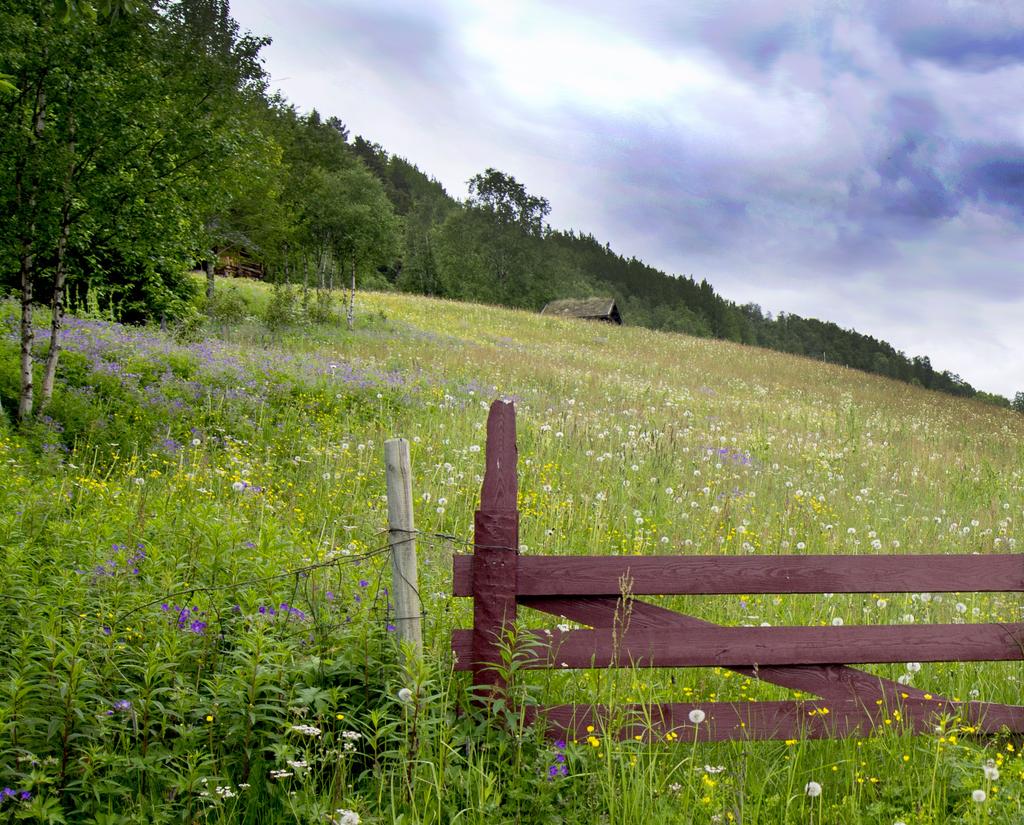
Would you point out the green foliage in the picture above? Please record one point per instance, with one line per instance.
(228, 307)
(283, 308)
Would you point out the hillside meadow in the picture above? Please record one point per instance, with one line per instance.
(196, 618)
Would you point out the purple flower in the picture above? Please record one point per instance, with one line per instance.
(364, 583)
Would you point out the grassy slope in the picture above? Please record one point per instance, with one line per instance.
(631, 441)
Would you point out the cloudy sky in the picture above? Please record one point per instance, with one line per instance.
(860, 162)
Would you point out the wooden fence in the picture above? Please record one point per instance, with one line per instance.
(634, 633)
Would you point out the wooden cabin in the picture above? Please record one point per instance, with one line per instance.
(589, 309)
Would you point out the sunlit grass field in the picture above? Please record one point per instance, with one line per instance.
(196, 618)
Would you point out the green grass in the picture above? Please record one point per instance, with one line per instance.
(246, 454)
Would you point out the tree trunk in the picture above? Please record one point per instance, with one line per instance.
(352, 298)
(27, 338)
(60, 275)
(26, 262)
(57, 311)
(209, 265)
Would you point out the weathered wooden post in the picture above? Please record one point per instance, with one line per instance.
(401, 536)
(495, 550)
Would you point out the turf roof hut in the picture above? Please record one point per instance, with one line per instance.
(590, 309)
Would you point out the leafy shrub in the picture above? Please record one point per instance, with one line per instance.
(320, 310)
(227, 306)
(283, 308)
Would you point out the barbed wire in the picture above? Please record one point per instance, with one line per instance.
(431, 538)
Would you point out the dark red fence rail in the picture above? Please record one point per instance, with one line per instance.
(633, 633)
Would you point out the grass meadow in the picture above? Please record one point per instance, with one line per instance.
(194, 605)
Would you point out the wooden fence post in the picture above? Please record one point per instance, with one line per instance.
(495, 550)
(401, 536)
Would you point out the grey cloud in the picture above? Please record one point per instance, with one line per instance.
(995, 175)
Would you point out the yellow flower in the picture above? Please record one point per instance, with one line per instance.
(209, 718)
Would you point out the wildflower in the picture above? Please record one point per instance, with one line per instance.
(697, 716)
(714, 768)
(343, 816)
(812, 789)
(991, 771)
(277, 774)
(837, 622)
(913, 667)
(238, 486)
(138, 482)
(405, 695)
(979, 795)
(306, 730)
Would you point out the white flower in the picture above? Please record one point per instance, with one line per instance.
(961, 607)
(343, 816)
(405, 695)
(812, 789)
(913, 667)
(990, 770)
(138, 481)
(238, 486)
(837, 622)
(978, 795)
(307, 730)
(882, 603)
(697, 716)
(714, 768)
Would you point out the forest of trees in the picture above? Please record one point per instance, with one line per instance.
(139, 141)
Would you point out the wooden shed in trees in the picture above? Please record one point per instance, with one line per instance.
(590, 309)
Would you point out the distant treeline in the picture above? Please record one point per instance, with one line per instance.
(141, 140)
